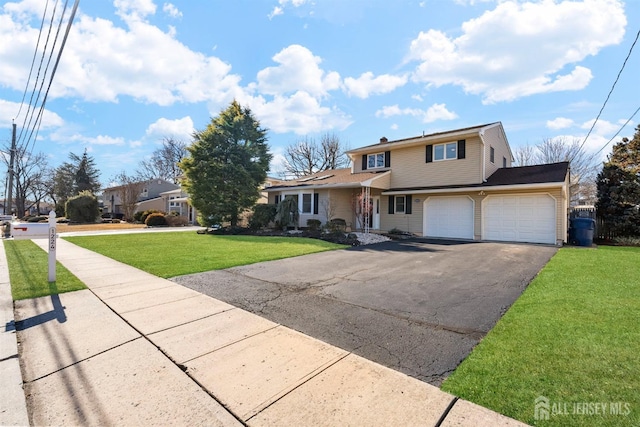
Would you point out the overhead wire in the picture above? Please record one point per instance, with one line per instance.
(33, 60)
(35, 90)
(608, 95)
(53, 72)
(38, 118)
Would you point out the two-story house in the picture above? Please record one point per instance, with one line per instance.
(149, 197)
(456, 184)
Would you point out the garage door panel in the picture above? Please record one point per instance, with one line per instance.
(449, 217)
(523, 218)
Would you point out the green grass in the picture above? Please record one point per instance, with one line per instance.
(174, 254)
(29, 271)
(573, 337)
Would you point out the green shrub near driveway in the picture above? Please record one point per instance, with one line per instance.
(572, 338)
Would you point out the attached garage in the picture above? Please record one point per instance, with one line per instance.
(448, 217)
(519, 218)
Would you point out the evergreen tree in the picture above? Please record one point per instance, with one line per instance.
(619, 188)
(226, 165)
(77, 175)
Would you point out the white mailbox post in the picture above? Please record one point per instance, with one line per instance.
(23, 231)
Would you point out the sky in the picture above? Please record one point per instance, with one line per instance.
(134, 72)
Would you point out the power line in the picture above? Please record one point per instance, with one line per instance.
(33, 60)
(618, 132)
(609, 95)
(29, 112)
(44, 77)
(55, 67)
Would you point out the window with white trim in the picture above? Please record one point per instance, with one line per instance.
(375, 161)
(447, 151)
(173, 204)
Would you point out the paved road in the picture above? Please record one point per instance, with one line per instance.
(417, 306)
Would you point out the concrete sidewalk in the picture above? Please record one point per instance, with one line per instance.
(136, 349)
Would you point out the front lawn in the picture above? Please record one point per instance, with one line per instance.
(29, 272)
(572, 341)
(174, 254)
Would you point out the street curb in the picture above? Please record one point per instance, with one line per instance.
(13, 405)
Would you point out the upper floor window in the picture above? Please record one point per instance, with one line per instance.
(492, 154)
(504, 162)
(375, 161)
(445, 151)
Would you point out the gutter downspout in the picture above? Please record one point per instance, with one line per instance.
(484, 146)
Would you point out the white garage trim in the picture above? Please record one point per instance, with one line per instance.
(448, 217)
(520, 218)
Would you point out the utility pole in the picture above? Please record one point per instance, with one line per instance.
(12, 156)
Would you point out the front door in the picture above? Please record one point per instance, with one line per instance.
(375, 223)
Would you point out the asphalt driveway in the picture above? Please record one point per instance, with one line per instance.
(417, 306)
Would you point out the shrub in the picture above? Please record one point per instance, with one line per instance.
(155, 219)
(137, 217)
(145, 214)
(37, 218)
(83, 208)
(174, 220)
(395, 231)
(313, 224)
(263, 215)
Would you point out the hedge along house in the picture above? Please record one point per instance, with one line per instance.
(457, 184)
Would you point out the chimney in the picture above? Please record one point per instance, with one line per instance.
(383, 140)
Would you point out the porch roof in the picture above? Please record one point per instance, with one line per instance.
(334, 178)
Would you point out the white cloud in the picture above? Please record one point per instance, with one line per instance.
(602, 127)
(559, 123)
(367, 84)
(180, 129)
(171, 10)
(275, 12)
(134, 9)
(103, 62)
(298, 70)
(434, 113)
(520, 48)
(300, 113)
(8, 110)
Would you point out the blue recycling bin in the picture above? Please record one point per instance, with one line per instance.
(581, 231)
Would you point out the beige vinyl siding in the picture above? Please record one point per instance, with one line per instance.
(411, 223)
(410, 169)
(493, 137)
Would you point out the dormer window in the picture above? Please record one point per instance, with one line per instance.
(375, 161)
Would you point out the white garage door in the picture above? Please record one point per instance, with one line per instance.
(449, 217)
(530, 218)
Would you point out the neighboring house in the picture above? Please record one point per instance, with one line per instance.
(178, 201)
(456, 184)
(149, 197)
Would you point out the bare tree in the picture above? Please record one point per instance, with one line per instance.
(307, 156)
(30, 172)
(128, 192)
(524, 155)
(564, 149)
(163, 162)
